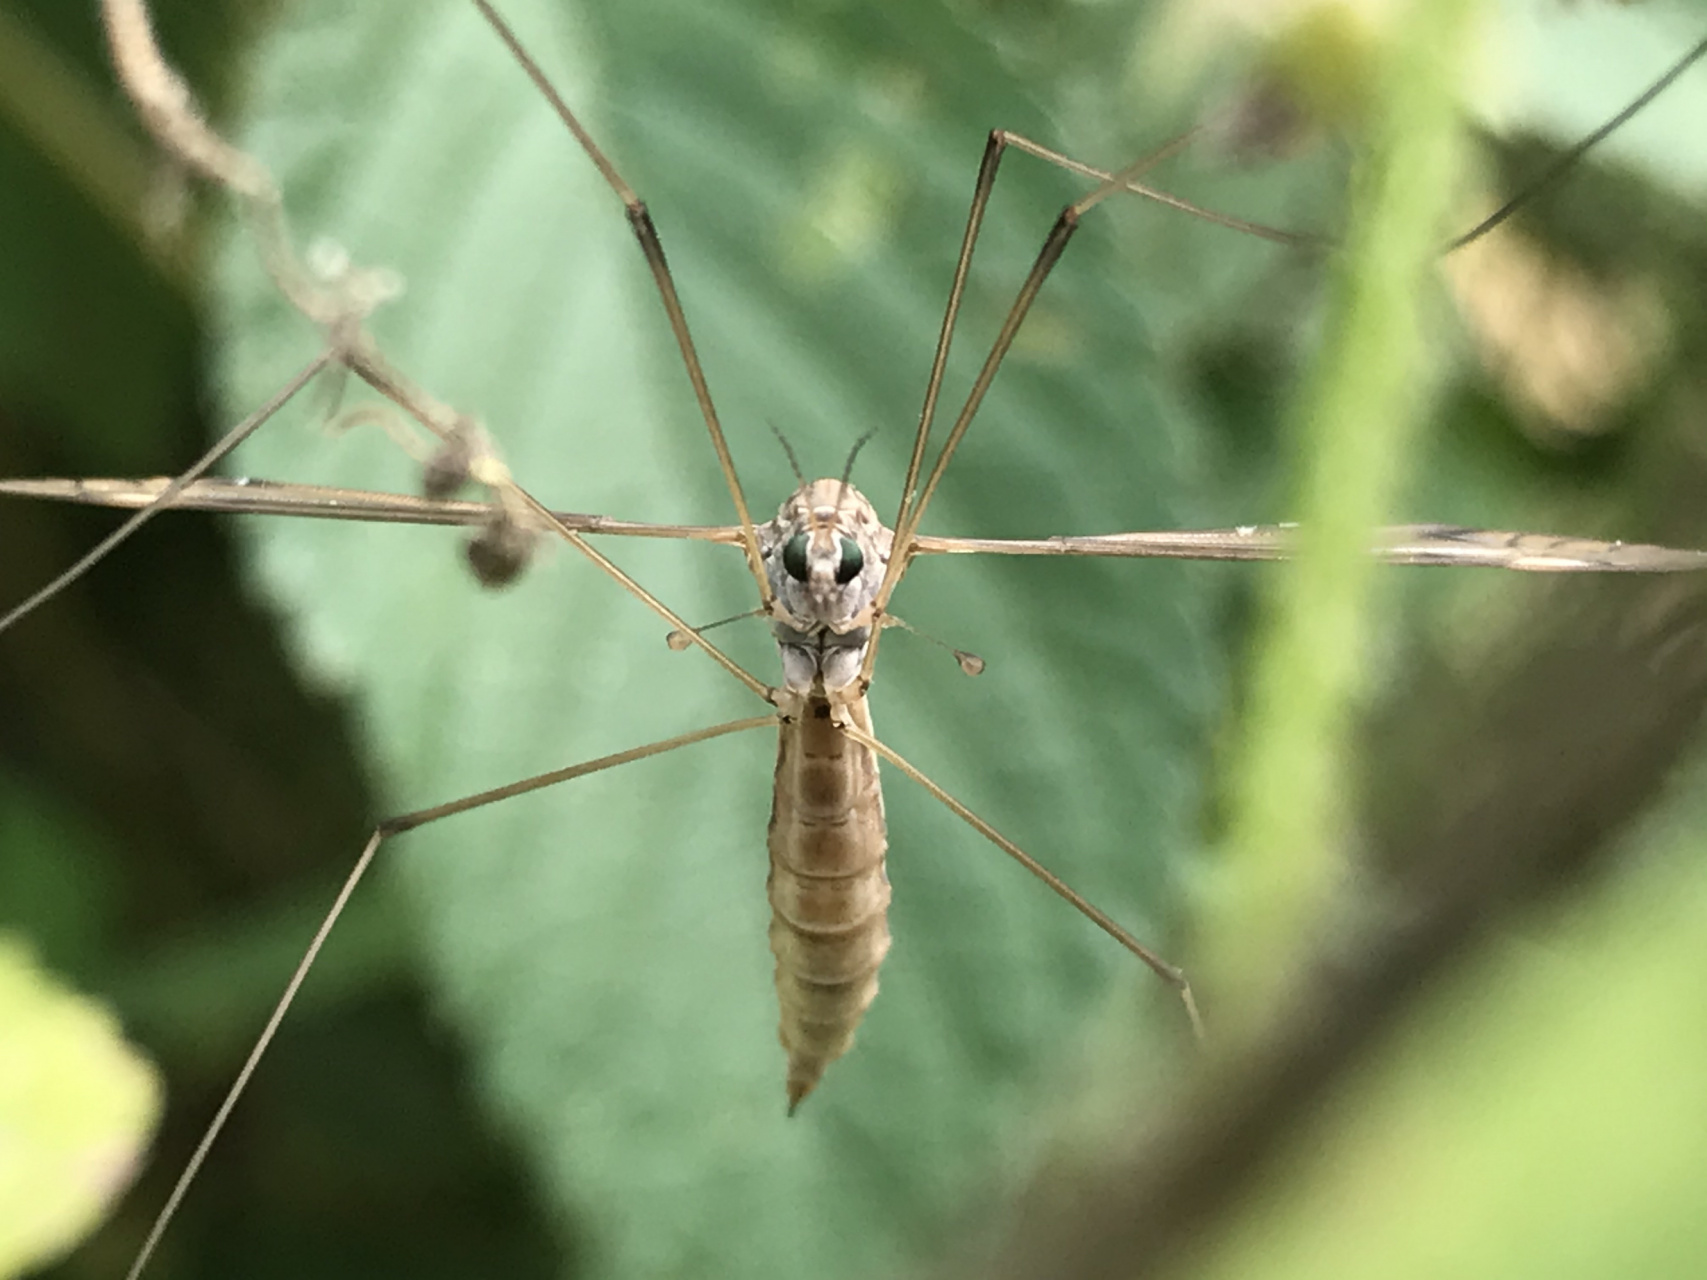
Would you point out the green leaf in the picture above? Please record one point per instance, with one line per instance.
(602, 946)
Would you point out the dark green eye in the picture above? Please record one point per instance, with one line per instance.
(794, 557)
(853, 560)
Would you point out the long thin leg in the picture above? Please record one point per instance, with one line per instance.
(906, 528)
(1168, 973)
(165, 105)
(951, 313)
(912, 511)
(1562, 163)
(999, 141)
(384, 831)
(1550, 173)
(640, 222)
(229, 441)
(1261, 230)
(379, 374)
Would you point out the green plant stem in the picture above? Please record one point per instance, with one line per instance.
(1356, 425)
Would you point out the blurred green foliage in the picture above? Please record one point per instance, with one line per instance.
(77, 1106)
(594, 959)
(1539, 1114)
(1358, 412)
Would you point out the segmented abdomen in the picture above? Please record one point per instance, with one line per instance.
(828, 889)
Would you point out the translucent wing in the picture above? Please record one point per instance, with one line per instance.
(1418, 544)
(267, 497)
(1426, 544)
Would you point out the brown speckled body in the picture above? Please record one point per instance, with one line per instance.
(828, 889)
(824, 555)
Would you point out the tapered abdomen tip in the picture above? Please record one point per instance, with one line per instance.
(797, 1093)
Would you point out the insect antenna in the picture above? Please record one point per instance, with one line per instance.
(788, 451)
(848, 466)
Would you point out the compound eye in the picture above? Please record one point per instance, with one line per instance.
(853, 560)
(794, 557)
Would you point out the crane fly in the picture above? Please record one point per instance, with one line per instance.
(826, 534)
